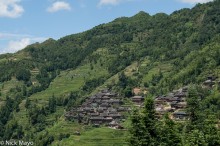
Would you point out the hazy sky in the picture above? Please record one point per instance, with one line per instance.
(23, 22)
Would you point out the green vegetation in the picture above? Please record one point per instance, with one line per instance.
(160, 52)
(202, 128)
(97, 137)
(147, 130)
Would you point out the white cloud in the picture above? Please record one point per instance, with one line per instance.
(59, 5)
(14, 46)
(109, 2)
(14, 42)
(10, 8)
(112, 2)
(195, 1)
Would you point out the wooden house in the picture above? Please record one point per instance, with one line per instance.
(137, 99)
(180, 115)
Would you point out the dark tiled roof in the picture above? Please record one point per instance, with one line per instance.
(180, 113)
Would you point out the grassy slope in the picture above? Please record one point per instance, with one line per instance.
(6, 87)
(96, 137)
(72, 80)
(67, 81)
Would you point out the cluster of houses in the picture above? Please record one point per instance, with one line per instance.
(210, 82)
(174, 102)
(104, 107)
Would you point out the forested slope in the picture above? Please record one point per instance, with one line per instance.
(164, 51)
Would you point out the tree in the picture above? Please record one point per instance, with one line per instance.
(137, 130)
(11, 127)
(122, 80)
(194, 107)
(168, 134)
(143, 131)
(128, 92)
(201, 128)
(27, 103)
(52, 104)
(19, 132)
(195, 137)
(36, 116)
(24, 90)
(150, 121)
(23, 74)
(2, 129)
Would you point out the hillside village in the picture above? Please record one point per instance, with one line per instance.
(107, 108)
(52, 92)
(175, 101)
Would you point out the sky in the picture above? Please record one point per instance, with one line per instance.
(23, 22)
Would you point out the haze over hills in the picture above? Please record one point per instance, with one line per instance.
(160, 53)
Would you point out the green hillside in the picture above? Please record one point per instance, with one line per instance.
(159, 53)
